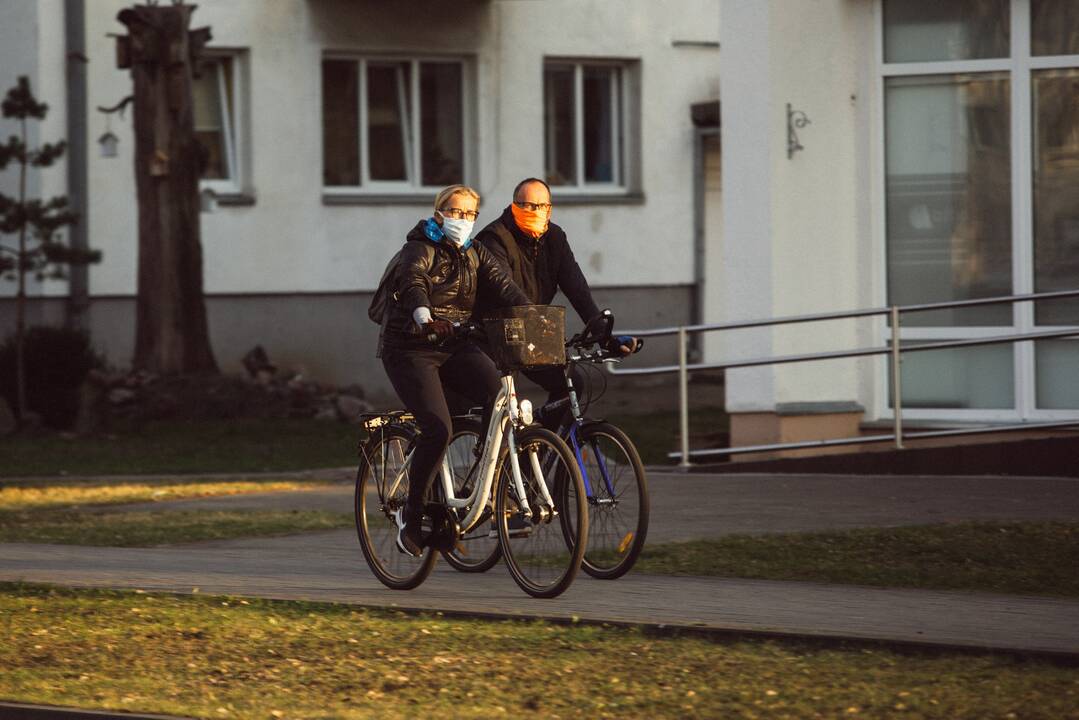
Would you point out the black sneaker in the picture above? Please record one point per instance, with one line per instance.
(409, 533)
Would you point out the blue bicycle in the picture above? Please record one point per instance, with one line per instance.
(614, 478)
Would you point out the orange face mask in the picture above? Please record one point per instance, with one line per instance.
(531, 222)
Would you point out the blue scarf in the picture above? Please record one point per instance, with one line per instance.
(434, 233)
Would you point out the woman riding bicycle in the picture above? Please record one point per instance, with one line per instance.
(437, 277)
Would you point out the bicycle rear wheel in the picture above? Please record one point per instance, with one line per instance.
(618, 506)
(537, 554)
(380, 490)
(478, 551)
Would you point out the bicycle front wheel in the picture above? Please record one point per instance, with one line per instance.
(478, 550)
(618, 503)
(381, 489)
(529, 516)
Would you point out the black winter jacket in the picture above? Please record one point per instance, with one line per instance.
(445, 278)
(541, 267)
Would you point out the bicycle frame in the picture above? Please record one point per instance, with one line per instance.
(569, 434)
(505, 416)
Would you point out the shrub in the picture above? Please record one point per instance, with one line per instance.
(57, 361)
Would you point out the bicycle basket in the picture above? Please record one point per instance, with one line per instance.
(527, 336)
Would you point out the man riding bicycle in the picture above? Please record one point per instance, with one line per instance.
(539, 260)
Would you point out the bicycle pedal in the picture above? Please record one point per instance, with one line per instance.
(517, 527)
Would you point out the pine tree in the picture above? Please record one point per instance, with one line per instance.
(36, 222)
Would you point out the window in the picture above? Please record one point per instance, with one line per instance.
(981, 172)
(216, 111)
(584, 119)
(391, 124)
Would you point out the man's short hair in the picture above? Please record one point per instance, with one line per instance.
(529, 181)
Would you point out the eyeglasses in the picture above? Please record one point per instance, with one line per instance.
(532, 206)
(459, 214)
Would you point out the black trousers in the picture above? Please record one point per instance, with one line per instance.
(418, 377)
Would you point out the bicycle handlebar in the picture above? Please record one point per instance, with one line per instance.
(460, 330)
(597, 331)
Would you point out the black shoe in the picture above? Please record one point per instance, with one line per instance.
(409, 533)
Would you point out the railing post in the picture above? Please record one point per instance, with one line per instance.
(683, 397)
(897, 384)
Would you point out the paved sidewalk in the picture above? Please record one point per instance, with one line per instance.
(329, 566)
(691, 506)
(277, 568)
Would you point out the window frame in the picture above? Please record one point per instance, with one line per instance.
(234, 122)
(401, 188)
(625, 103)
(1020, 66)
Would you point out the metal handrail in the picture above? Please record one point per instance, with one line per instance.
(894, 348)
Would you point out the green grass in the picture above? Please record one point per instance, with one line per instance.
(67, 492)
(226, 446)
(145, 529)
(231, 658)
(261, 445)
(1037, 558)
(656, 434)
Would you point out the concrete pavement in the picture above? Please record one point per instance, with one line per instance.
(329, 566)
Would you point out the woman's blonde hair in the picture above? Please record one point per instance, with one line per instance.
(446, 193)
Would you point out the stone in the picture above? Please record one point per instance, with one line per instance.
(256, 361)
(89, 417)
(121, 396)
(353, 390)
(350, 408)
(326, 412)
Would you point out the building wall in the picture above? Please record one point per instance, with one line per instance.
(289, 241)
(796, 228)
(817, 197)
(326, 337)
(32, 44)
(293, 272)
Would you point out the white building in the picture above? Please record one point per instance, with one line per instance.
(322, 162)
(940, 162)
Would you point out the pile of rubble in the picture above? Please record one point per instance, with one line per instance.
(264, 392)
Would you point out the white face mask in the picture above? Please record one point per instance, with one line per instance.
(459, 231)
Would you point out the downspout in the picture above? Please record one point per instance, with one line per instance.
(78, 234)
(705, 123)
(696, 314)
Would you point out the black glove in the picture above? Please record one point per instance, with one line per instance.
(438, 330)
(621, 345)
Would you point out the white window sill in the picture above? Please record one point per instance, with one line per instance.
(418, 197)
(584, 197)
(235, 199)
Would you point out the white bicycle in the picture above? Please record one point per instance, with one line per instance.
(526, 488)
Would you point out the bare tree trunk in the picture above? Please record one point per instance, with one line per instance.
(171, 331)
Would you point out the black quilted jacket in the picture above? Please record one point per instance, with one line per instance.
(445, 278)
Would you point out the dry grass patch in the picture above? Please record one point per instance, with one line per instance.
(231, 658)
(147, 529)
(38, 497)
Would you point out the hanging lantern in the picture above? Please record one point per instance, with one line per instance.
(108, 143)
(207, 201)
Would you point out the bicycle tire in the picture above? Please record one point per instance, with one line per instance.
(487, 551)
(537, 555)
(615, 537)
(373, 511)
